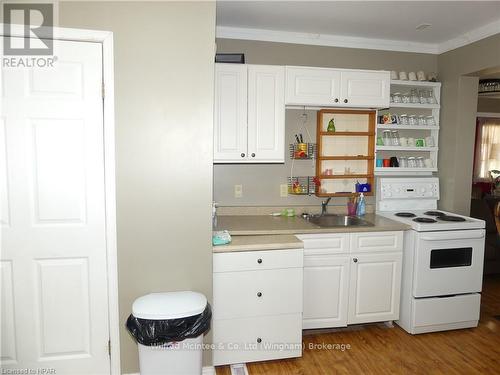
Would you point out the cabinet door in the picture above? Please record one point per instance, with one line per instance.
(230, 113)
(326, 280)
(312, 86)
(365, 89)
(266, 113)
(374, 288)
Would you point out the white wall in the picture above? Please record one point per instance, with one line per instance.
(164, 53)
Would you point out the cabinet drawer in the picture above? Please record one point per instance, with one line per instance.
(236, 340)
(376, 241)
(257, 260)
(325, 243)
(254, 293)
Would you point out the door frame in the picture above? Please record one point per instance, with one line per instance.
(105, 38)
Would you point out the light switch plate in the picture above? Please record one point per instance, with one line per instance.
(283, 190)
(238, 191)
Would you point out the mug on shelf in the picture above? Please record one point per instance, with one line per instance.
(421, 75)
(403, 76)
(412, 76)
(419, 142)
(411, 142)
(380, 163)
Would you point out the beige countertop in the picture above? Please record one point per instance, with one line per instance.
(266, 232)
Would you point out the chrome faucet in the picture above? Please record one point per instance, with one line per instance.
(323, 206)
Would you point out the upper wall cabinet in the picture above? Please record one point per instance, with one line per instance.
(249, 122)
(323, 87)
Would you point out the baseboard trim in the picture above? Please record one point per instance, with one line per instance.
(207, 370)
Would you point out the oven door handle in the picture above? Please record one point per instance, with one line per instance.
(456, 236)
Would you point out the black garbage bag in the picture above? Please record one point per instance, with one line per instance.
(157, 332)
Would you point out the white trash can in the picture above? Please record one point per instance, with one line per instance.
(169, 330)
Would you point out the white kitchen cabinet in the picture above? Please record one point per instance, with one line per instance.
(374, 288)
(323, 87)
(326, 284)
(365, 89)
(249, 114)
(312, 86)
(257, 305)
(230, 112)
(351, 278)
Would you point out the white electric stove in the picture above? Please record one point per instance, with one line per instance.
(442, 259)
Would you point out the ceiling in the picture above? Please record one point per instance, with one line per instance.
(384, 24)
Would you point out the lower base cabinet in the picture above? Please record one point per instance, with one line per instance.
(357, 282)
(257, 306)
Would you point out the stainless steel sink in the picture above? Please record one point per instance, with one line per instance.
(330, 221)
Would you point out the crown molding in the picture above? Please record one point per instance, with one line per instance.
(472, 36)
(329, 40)
(228, 32)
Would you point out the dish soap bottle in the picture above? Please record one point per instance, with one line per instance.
(361, 209)
(331, 126)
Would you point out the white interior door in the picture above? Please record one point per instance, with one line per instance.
(53, 259)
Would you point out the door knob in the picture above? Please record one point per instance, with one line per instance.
(259, 340)
(355, 260)
(259, 261)
(242, 154)
(259, 294)
(345, 100)
(253, 154)
(336, 100)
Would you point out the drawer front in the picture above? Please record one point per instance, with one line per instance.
(257, 260)
(236, 340)
(325, 243)
(255, 293)
(446, 310)
(376, 241)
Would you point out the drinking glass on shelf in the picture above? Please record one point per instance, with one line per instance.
(396, 97)
(403, 119)
(429, 141)
(412, 120)
(423, 97)
(403, 162)
(412, 163)
(405, 98)
(414, 96)
(422, 120)
(386, 135)
(431, 121)
(420, 162)
(395, 138)
(431, 99)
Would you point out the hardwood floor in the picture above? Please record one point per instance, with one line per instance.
(376, 349)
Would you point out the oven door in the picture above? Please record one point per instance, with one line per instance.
(448, 262)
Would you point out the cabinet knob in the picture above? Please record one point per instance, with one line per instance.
(242, 154)
(345, 100)
(259, 294)
(355, 260)
(253, 154)
(259, 340)
(259, 261)
(336, 100)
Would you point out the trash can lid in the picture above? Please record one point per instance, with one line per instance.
(169, 305)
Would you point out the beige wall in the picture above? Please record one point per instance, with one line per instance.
(261, 182)
(164, 99)
(459, 104)
(488, 105)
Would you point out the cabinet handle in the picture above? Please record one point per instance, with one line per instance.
(259, 261)
(259, 294)
(242, 154)
(253, 154)
(345, 100)
(336, 100)
(259, 340)
(355, 260)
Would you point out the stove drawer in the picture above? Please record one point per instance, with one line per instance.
(446, 310)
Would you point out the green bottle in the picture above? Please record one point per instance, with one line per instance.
(331, 126)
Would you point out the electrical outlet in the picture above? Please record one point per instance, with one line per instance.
(283, 190)
(238, 191)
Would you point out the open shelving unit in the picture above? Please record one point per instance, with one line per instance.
(411, 131)
(344, 156)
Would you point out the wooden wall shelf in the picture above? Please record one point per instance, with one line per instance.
(357, 167)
